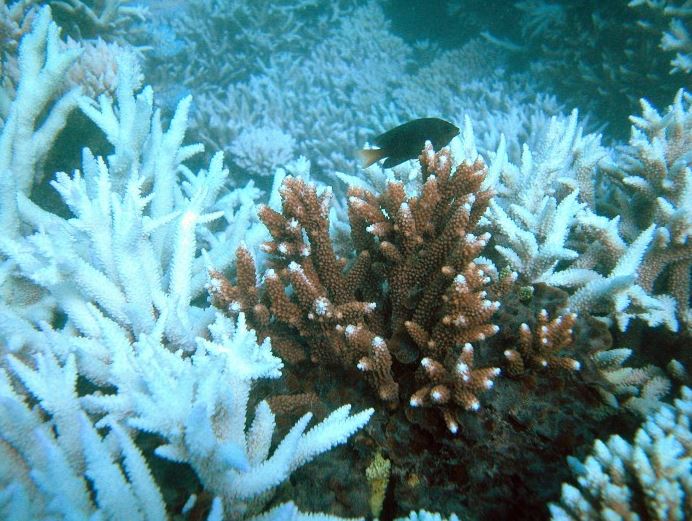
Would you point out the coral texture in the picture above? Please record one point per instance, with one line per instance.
(130, 352)
(619, 477)
(414, 292)
(470, 305)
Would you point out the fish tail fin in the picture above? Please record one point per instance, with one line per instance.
(368, 156)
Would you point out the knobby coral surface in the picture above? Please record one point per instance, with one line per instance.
(415, 294)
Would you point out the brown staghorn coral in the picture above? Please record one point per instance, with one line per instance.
(405, 310)
(540, 349)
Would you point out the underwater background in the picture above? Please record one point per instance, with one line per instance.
(170, 315)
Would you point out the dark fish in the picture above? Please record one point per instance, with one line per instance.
(406, 141)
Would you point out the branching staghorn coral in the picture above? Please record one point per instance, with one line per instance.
(650, 476)
(598, 57)
(538, 199)
(677, 37)
(638, 389)
(35, 116)
(646, 237)
(413, 294)
(228, 41)
(545, 226)
(657, 181)
(121, 271)
(540, 349)
(104, 18)
(162, 363)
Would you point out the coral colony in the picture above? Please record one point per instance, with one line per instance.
(210, 310)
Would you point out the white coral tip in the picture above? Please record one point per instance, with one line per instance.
(321, 306)
(378, 342)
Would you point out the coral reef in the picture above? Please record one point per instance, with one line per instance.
(544, 217)
(413, 312)
(657, 183)
(413, 292)
(173, 319)
(619, 477)
(541, 349)
(359, 79)
(676, 38)
(600, 57)
(122, 273)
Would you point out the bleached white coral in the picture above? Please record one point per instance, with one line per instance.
(657, 180)
(112, 253)
(538, 202)
(65, 467)
(123, 271)
(260, 150)
(619, 478)
(617, 294)
(197, 405)
(36, 115)
(547, 230)
(534, 243)
(328, 100)
(638, 389)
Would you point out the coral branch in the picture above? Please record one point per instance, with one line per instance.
(412, 294)
(540, 349)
